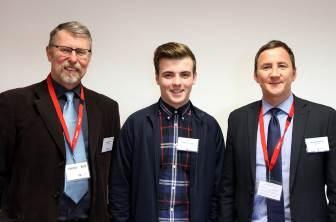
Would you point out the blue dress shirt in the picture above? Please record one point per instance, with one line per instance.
(259, 206)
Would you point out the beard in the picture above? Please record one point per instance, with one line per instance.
(71, 74)
(68, 75)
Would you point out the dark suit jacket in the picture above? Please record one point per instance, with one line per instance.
(135, 179)
(309, 172)
(32, 153)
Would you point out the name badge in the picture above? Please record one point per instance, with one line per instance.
(107, 144)
(317, 144)
(77, 171)
(269, 190)
(187, 144)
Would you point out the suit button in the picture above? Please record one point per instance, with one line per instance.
(56, 195)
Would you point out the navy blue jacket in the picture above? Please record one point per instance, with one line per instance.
(136, 168)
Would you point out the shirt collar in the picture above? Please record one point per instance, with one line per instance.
(285, 106)
(169, 110)
(60, 90)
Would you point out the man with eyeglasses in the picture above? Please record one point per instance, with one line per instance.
(56, 139)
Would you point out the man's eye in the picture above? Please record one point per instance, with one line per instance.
(80, 52)
(168, 76)
(185, 75)
(66, 50)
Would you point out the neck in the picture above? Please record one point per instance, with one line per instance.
(276, 101)
(174, 105)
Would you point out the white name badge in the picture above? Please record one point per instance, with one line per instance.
(317, 144)
(187, 144)
(107, 144)
(77, 171)
(269, 190)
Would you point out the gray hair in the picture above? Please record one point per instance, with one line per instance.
(75, 28)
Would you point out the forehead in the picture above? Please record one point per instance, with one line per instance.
(66, 38)
(278, 54)
(182, 64)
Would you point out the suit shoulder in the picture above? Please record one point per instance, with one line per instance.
(316, 107)
(21, 91)
(23, 95)
(243, 109)
(101, 98)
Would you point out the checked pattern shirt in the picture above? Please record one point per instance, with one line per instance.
(173, 192)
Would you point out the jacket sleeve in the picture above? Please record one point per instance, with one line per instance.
(331, 167)
(227, 187)
(220, 147)
(7, 145)
(120, 180)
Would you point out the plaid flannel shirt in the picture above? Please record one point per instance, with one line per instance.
(173, 192)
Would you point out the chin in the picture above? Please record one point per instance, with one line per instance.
(275, 91)
(71, 78)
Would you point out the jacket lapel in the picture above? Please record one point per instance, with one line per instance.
(94, 119)
(252, 127)
(48, 114)
(299, 123)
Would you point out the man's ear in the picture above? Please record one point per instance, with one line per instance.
(195, 76)
(294, 74)
(49, 53)
(255, 77)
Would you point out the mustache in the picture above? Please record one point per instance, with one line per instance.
(72, 66)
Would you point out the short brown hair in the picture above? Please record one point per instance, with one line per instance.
(271, 45)
(172, 50)
(73, 27)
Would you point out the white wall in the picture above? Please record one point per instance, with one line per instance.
(224, 35)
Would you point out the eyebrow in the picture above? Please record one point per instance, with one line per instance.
(168, 72)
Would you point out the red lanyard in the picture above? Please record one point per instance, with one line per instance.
(60, 114)
(278, 146)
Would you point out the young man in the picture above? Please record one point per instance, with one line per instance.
(170, 154)
(55, 139)
(280, 150)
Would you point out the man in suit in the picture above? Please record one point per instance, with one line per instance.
(56, 138)
(280, 151)
(170, 154)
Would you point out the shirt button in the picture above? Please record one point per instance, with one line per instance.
(182, 118)
(171, 209)
(173, 188)
(175, 111)
(168, 117)
(174, 166)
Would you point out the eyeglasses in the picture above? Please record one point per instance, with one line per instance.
(67, 51)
